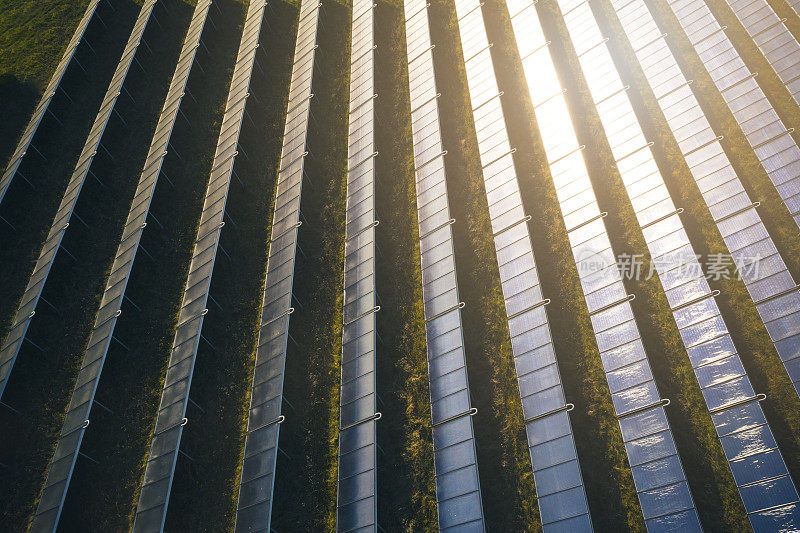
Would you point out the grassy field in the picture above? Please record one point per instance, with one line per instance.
(42, 382)
(204, 492)
(406, 492)
(33, 37)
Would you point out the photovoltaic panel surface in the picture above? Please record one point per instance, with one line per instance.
(747, 441)
(63, 461)
(151, 510)
(663, 492)
(357, 482)
(30, 299)
(254, 507)
(458, 492)
(761, 267)
(559, 484)
(774, 40)
(44, 104)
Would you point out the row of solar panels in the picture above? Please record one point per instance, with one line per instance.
(758, 468)
(773, 39)
(559, 484)
(254, 507)
(771, 142)
(75, 422)
(49, 93)
(661, 485)
(27, 307)
(356, 500)
(163, 452)
(763, 270)
(458, 493)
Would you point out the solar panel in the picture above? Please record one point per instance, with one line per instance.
(769, 138)
(151, 510)
(763, 270)
(661, 485)
(773, 39)
(44, 104)
(795, 4)
(746, 438)
(254, 507)
(30, 299)
(62, 463)
(557, 474)
(458, 492)
(356, 500)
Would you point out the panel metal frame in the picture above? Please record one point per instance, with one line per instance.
(458, 494)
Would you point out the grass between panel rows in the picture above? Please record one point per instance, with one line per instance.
(756, 181)
(406, 489)
(34, 194)
(131, 382)
(760, 359)
(205, 490)
(305, 484)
